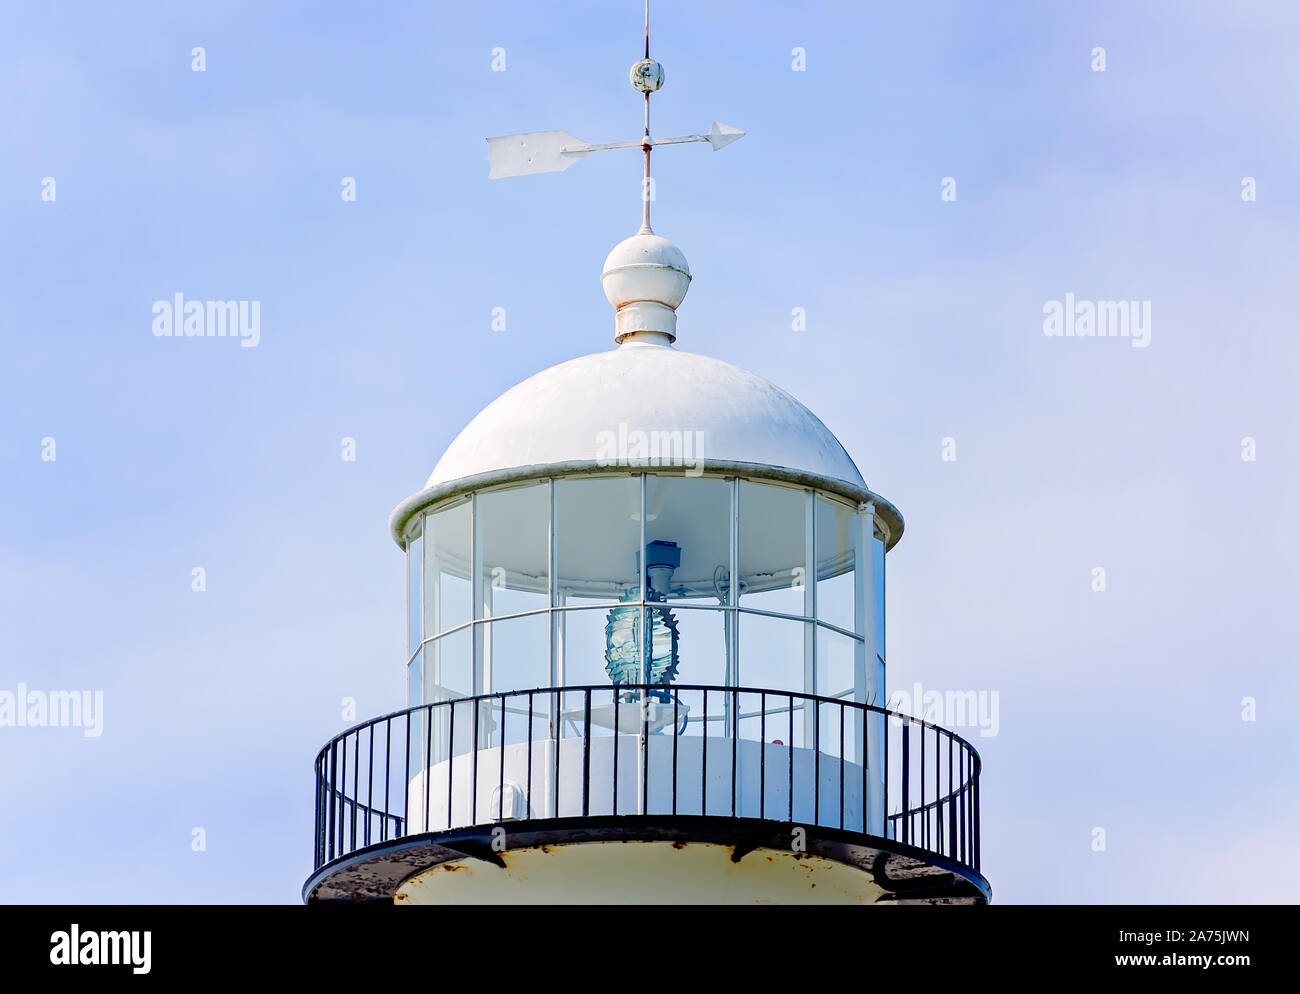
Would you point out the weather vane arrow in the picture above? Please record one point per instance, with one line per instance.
(556, 151)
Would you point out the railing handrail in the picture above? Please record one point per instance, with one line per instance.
(718, 688)
(353, 802)
(341, 763)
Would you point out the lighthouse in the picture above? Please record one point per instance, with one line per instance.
(646, 656)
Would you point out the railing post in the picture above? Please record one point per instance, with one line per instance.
(790, 750)
(557, 735)
(735, 735)
(370, 779)
(528, 788)
(817, 759)
(864, 754)
(676, 736)
(426, 729)
(586, 752)
(644, 746)
(451, 761)
(952, 803)
(940, 799)
(925, 821)
(617, 729)
(501, 777)
(907, 783)
(762, 754)
(318, 843)
(406, 781)
(885, 766)
(343, 797)
(388, 769)
(356, 783)
(704, 756)
(841, 765)
(964, 855)
(473, 774)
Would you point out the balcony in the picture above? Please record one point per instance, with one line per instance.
(887, 793)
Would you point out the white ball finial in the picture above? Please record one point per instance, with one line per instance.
(645, 277)
(646, 75)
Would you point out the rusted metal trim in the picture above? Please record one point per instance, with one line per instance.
(908, 875)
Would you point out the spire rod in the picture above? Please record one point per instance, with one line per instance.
(645, 142)
(556, 151)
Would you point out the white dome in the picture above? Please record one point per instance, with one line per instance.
(645, 406)
(572, 414)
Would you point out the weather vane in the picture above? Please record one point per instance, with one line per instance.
(555, 151)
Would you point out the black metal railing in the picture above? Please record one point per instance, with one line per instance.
(725, 751)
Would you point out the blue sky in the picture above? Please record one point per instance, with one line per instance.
(1120, 710)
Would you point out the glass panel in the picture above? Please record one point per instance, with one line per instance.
(442, 728)
(695, 516)
(597, 534)
(415, 680)
(774, 526)
(512, 531)
(878, 564)
(702, 646)
(450, 671)
(688, 559)
(839, 672)
(518, 653)
(415, 596)
(838, 540)
(837, 730)
(580, 646)
(452, 723)
(772, 652)
(415, 696)
(447, 597)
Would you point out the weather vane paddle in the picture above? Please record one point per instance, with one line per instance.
(555, 151)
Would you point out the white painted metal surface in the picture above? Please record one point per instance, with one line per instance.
(534, 152)
(645, 277)
(816, 796)
(571, 412)
(555, 151)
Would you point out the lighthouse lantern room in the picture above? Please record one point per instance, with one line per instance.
(646, 656)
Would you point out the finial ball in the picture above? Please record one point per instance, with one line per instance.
(647, 75)
(645, 277)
